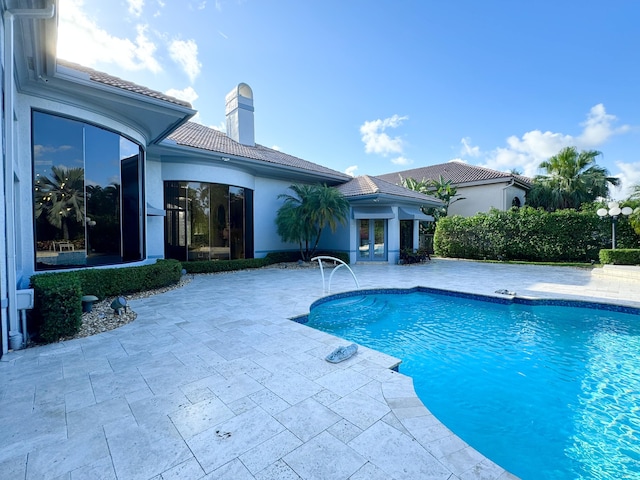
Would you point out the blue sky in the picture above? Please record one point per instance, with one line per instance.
(372, 87)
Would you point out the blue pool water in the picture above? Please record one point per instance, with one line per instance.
(546, 391)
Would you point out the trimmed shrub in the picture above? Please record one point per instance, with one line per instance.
(215, 266)
(111, 282)
(58, 306)
(621, 256)
(529, 234)
(282, 257)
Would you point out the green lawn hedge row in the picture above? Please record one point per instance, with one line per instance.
(206, 266)
(620, 256)
(531, 235)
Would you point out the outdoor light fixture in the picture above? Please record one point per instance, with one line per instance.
(614, 212)
(118, 303)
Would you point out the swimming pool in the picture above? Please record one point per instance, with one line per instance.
(547, 389)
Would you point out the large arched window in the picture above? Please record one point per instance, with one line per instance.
(87, 194)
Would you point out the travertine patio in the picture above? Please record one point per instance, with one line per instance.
(214, 381)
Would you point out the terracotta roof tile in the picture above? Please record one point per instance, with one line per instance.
(455, 172)
(199, 136)
(112, 81)
(366, 185)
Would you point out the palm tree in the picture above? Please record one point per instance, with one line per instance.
(304, 215)
(634, 202)
(441, 189)
(571, 179)
(61, 198)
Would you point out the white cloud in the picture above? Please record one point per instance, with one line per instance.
(276, 147)
(221, 127)
(351, 171)
(535, 146)
(467, 149)
(401, 161)
(598, 128)
(200, 5)
(135, 7)
(629, 177)
(377, 141)
(185, 54)
(161, 5)
(187, 94)
(81, 40)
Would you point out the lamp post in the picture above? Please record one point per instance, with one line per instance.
(614, 212)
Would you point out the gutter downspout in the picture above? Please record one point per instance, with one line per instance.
(10, 222)
(504, 194)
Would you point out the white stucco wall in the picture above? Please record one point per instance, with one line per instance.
(266, 205)
(481, 198)
(512, 192)
(4, 303)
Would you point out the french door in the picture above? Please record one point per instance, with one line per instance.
(372, 244)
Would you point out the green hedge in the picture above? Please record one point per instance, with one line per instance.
(529, 234)
(216, 266)
(58, 306)
(58, 309)
(621, 256)
(281, 257)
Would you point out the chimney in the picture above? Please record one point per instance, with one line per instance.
(239, 113)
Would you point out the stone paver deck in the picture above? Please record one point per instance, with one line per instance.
(213, 381)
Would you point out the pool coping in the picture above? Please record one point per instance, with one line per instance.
(505, 300)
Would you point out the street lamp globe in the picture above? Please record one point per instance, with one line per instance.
(614, 212)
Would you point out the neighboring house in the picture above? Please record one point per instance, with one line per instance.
(481, 188)
(99, 171)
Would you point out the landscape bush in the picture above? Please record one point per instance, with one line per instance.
(531, 235)
(216, 266)
(620, 256)
(58, 309)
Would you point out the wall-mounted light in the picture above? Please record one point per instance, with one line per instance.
(225, 159)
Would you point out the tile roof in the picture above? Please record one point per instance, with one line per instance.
(456, 172)
(366, 185)
(106, 79)
(199, 136)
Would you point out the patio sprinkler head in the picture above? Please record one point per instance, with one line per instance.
(119, 303)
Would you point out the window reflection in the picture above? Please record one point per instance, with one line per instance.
(87, 194)
(207, 221)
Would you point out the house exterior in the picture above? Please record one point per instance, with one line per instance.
(479, 188)
(99, 171)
